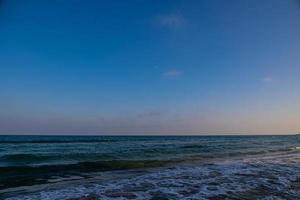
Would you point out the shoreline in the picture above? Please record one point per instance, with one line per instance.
(236, 168)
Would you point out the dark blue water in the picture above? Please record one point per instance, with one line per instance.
(54, 150)
(35, 160)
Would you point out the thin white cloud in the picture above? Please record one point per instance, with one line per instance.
(172, 73)
(267, 79)
(171, 21)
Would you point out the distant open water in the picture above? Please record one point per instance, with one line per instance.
(149, 167)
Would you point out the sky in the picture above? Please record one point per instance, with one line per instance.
(149, 67)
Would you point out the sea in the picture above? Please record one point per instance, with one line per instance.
(150, 167)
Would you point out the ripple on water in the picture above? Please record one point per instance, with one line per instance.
(263, 178)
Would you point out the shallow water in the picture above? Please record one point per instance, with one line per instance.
(206, 167)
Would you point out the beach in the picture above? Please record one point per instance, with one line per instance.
(165, 167)
(149, 100)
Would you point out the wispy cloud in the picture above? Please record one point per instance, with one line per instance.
(172, 73)
(173, 21)
(149, 114)
(267, 79)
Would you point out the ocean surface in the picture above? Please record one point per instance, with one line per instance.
(149, 167)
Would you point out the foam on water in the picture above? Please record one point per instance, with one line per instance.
(271, 177)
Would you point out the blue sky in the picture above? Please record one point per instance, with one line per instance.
(149, 67)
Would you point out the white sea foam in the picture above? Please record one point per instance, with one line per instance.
(266, 178)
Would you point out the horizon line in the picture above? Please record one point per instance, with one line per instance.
(125, 134)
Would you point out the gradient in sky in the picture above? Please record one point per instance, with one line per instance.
(149, 67)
